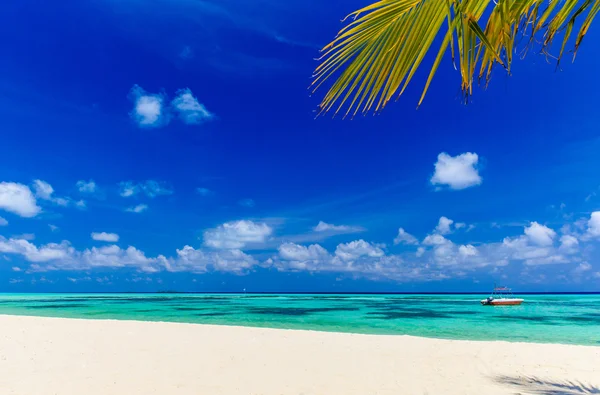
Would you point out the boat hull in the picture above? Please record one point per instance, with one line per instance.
(502, 302)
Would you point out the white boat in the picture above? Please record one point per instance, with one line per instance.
(502, 296)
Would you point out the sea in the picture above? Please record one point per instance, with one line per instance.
(542, 318)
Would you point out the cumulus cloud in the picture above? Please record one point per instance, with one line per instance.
(198, 261)
(115, 257)
(148, 109)
(3, 222)
(444, 226)
(539, 234)
(356, 249)
(63, 256)
(456, 172)
(150, 188)
(86, 186)
(569, 244)
(357, 258)
(18, 199)
(594, 224)
(237, 234)
(52, 257)
(405, 238)
(103, 236)
(190, 110)
(44, 191)
(48, 252)
(468, 250)
(436, 258)
(25, 236)
(536, 246)
(582, 268)
(296, 257)
(324, 227)
(140, 208)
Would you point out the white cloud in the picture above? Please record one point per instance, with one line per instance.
(237, 234)
(32, 253)
(356, 249)
(24, 236)
(189, 109)
(116, 257)
(150, 188)
(297, 257)
(18, 199)
(405, 238)
(16, 269)
(582, 268)
(62, 202)
(594, 224)
(53, 228)
(458, 172)
(80, 204)
(108, 237)
(444, 226)
(148, 109)
(44, 191)
(460, 225)
(3, 222)
(86, 186)
(357, 258)
(63, 256)
(540, 235)
(140, 208)
(434, 239)
(569, 244)
(468, 250)
(295, 252)
(336, 229)
(197, 261)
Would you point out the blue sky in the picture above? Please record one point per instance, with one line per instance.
(172, 145)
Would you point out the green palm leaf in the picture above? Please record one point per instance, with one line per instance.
(375, 56)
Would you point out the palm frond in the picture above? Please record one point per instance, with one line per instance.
(375, 56)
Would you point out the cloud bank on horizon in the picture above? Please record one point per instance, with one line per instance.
(228, 248)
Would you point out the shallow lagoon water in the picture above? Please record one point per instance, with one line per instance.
(566, 319)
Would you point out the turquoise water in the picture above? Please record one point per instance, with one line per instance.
(567, 319)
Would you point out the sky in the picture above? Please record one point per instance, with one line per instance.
(174, 146)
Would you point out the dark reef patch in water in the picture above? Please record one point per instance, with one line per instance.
(211, 314)
(58, 306)
(293, 311)
(528, 318)
(592, 319)
(183, 308)
(414, 314)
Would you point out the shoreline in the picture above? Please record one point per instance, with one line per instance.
(269, 328)
(45, 355)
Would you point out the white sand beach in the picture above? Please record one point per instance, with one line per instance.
(68, 356)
